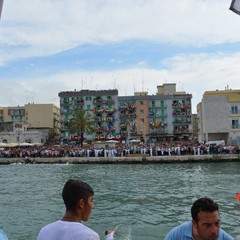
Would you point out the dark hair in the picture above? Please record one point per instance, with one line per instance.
(73, 191)
(106, 232)
(204, 204)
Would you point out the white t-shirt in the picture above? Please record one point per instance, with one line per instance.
(63, 230)
(110, 236)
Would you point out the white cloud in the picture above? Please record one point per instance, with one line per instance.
(45, 27)
(194, 74)
(41, 28)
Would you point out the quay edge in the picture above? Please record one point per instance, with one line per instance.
(127, 159)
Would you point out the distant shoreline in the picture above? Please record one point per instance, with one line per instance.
(130, 159)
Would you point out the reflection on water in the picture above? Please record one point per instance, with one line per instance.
(145, 200)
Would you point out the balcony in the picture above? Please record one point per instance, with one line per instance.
(128, 107)
(180, 130)
(181, 113)
(104, 119)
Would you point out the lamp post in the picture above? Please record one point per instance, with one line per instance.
(18, 132)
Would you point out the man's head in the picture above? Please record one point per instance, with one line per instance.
(205, 219)
(75, 190)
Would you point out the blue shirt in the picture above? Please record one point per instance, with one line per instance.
(184, 232)
(3, 235)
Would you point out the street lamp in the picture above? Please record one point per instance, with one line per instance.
(18, 132)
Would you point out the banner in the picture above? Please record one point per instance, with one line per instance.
(235, 6)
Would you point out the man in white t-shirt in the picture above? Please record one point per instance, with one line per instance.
(78, 199)
(110, 234)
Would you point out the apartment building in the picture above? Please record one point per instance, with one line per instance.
(219, 116)
(102, 105)
(166, 115)
(31, 123)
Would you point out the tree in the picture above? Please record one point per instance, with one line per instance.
(81, 123)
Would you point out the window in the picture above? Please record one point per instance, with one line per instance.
(235, 124)
(141, 111)
(142, 120)
(153, 104)
(234, 110)
(122, 103)
(141, 103)
(88, 108)
(88, 98)
(162, 103)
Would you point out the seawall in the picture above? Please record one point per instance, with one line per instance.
(129, 159)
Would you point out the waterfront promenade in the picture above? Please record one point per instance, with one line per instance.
(133, 158)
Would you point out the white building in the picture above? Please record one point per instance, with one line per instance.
(219, 116)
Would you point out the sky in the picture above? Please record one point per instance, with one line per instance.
(49, 46)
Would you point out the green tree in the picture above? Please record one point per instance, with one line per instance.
(81, 123)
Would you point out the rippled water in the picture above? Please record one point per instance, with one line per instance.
(146, 200)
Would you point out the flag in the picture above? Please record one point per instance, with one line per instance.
(235, 6)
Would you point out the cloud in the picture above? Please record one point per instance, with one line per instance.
(39, 27)
(194, 74)
(61, 45)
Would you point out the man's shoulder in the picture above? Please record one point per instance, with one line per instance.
(182, 231)
(73, 229)
(224, 235)
(183, 226)
(88, 232)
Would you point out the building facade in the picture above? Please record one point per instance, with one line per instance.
(102, 106)
(219, 116)
(151, 118)
(31, 123)
(166, 115)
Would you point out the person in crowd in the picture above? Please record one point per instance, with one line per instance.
(3, 236)
(205, 224)
(78, 200)
(110, 234)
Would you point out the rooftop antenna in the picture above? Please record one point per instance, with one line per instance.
(92, 79)
(32, 98)
(114, 82)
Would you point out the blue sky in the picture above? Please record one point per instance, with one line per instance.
(61, 45)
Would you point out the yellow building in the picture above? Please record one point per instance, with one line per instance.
(33, 123)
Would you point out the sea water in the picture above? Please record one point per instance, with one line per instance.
(145, 200)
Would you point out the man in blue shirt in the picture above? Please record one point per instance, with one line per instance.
(205, 224)
(3, 235)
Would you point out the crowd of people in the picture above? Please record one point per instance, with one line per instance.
(118, 150)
